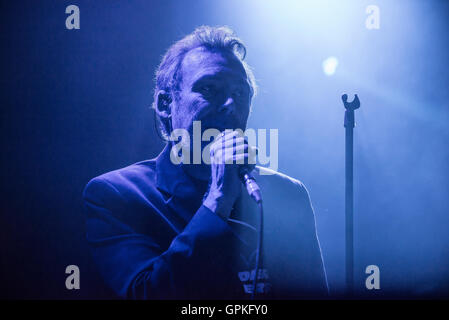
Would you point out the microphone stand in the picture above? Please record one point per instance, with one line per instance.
(349, 124)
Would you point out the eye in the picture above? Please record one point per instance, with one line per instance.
(238, 93)
(207, 90)
(241, 93)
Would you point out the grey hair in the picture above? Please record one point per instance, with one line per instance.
(212, 38)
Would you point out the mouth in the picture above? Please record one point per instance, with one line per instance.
(223, 124)
(220, 127)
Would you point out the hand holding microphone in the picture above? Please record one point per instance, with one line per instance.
(230, 157)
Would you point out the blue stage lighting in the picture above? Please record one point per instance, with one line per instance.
(330, 66)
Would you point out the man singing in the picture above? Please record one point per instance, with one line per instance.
(159, 229)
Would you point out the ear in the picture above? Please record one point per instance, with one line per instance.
(163, 104)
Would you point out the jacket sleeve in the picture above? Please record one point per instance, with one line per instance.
(311, 258)
(135, 266)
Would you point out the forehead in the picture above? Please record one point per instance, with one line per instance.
(201, 62)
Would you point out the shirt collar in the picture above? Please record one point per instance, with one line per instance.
(172, 178)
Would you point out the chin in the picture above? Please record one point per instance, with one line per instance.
(197, 171)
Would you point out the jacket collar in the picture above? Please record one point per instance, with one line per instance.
(172, 178)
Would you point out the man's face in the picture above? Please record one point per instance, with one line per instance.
(214, 89)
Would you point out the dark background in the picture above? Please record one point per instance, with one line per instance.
(75, 104)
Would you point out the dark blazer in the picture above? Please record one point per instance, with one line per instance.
(151, 237)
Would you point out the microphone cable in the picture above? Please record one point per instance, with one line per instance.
(259, 250)
(254, 191)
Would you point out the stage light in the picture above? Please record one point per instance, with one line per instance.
(330, 66)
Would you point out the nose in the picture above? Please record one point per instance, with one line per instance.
(228, 106)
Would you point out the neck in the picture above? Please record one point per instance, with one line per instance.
(197, 171)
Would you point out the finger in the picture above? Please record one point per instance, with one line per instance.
(237, 159)
(239, 155)
(230, 134)
(240, 150)
(233, 142)
(253, 151)
(221, 144)
(226, 143)
(230, 150)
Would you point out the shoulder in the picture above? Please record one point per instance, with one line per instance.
(120, 182)
(274, 180)
(287, 203)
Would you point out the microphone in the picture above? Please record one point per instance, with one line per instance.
(250, 183)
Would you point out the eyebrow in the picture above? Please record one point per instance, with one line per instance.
(214, 77)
